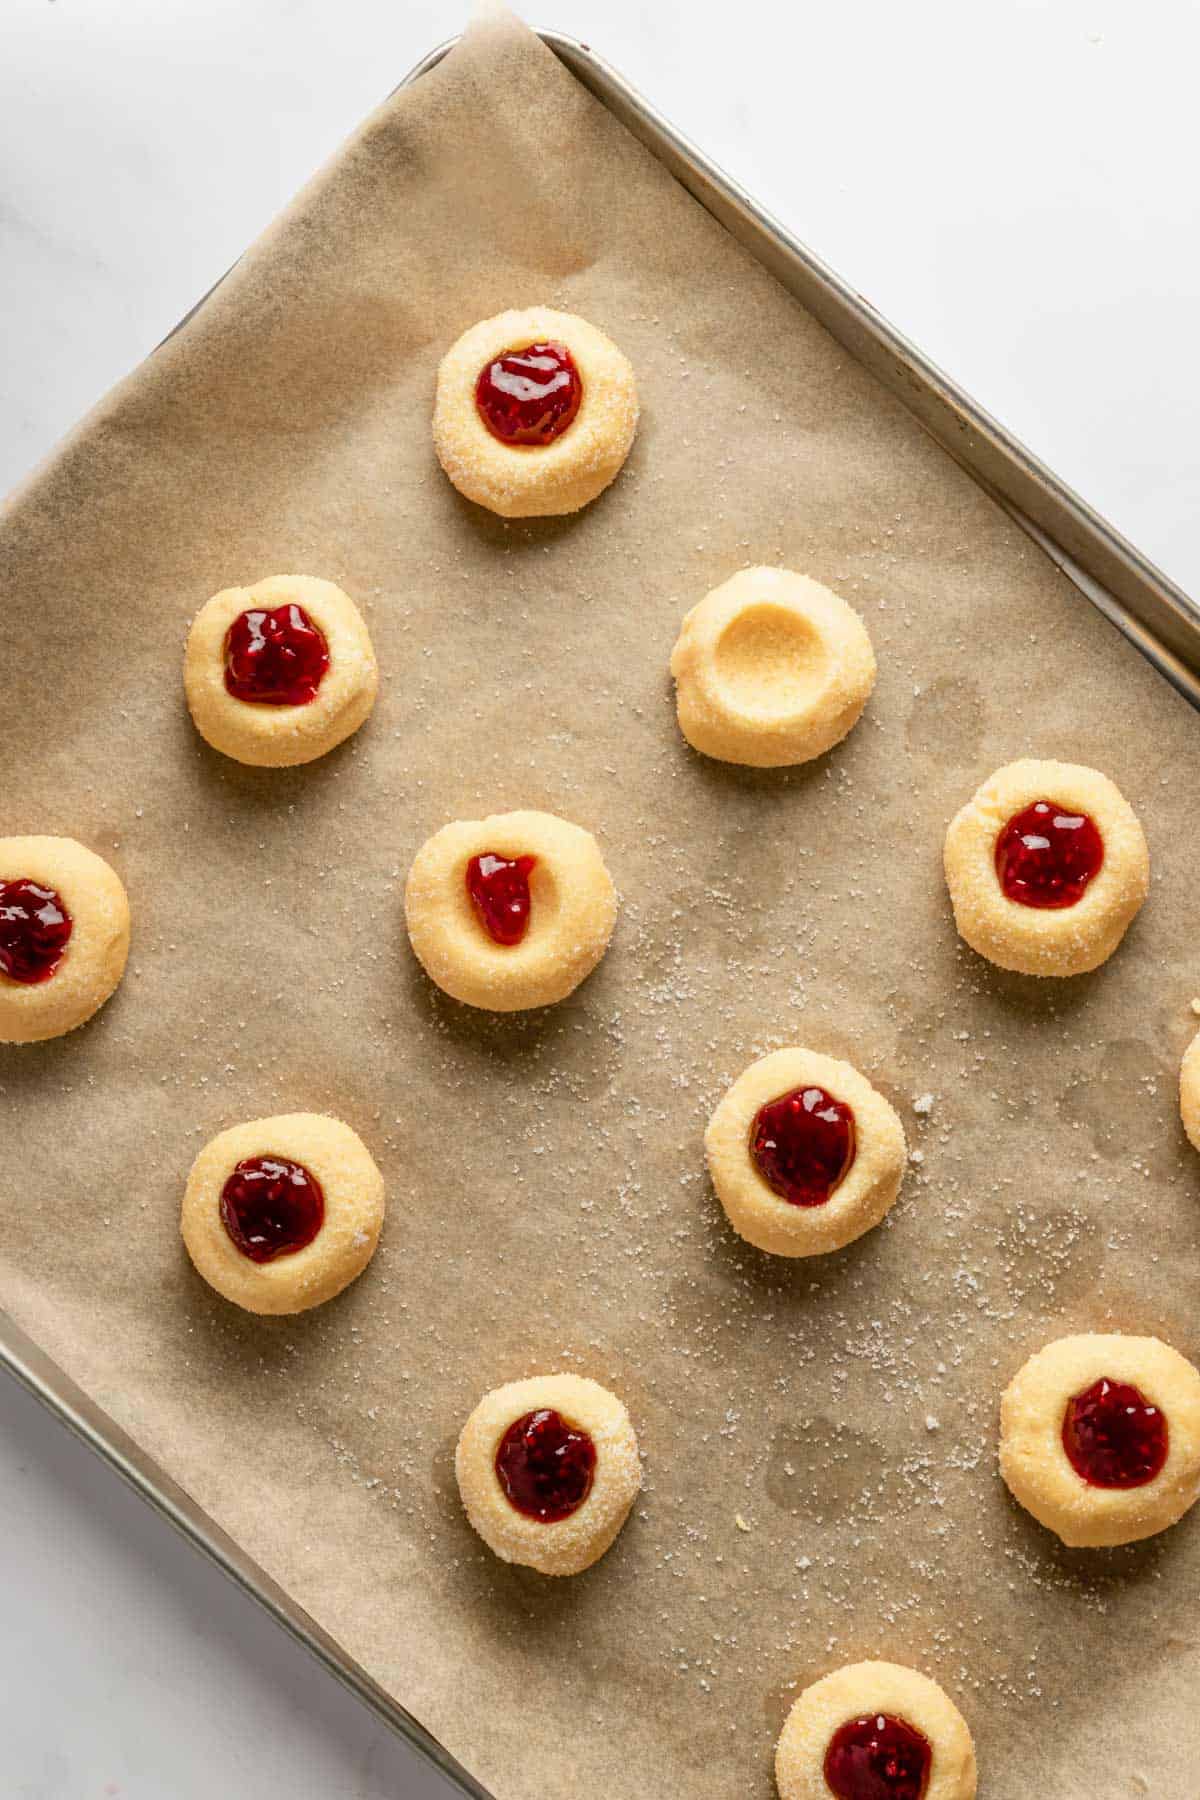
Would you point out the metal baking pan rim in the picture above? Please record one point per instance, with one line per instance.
(1149, 608)
(40, 1376)
(1144, 603)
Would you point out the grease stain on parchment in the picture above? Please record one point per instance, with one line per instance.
(947, 719)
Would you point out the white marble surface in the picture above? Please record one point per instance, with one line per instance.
(1011, 181)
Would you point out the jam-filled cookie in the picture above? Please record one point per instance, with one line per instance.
(509, 912)
(1189, 1090)
(804, 1154)
(281, 1214)
(1100, 1437)
(548, 1469)
(279, 673)
(1047, 866)
(535, 413)
(64, 936)
(770, 668)
(875, 1731)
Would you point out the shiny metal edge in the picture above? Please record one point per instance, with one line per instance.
(1143, 603)
(1138, 598)
(47, 1382)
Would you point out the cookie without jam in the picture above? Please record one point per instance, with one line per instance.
(771, 669)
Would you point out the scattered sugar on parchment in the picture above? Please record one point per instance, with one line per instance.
(600, 1102)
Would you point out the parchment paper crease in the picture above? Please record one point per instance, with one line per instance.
(547, 1207)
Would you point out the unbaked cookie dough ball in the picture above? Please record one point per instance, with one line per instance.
(875, 1728)
(804, 1154)
(281, 1214)
(535, 413)
(279, 673)
(1047, 866)
(548, 1469)
(509, 912)
(770, 668)
(64, 936)
(1189, 1090)
(1100, 1437)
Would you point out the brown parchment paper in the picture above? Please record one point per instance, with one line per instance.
(819, 1438)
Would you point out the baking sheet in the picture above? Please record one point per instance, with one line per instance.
(547, 1205)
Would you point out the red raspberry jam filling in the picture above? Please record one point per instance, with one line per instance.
(803, 1144)
(1046, 856)
(1113, 1437)
(276, 658)
(499, 890)
(545, 1466)
(271, 1207)
(529, 396)
(34, 929)
(878, 1758)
